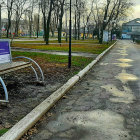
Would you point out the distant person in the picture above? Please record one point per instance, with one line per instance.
(133, 39)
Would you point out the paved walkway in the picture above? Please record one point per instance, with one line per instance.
(93, 44)
(54, 52)
(33, 39)
(104, 105)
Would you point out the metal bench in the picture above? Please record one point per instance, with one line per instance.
(7, 64)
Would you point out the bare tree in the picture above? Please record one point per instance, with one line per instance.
(9, 5)
(38, 20)
(80, 9)
(75, 18)
(43, 9)
(19, 8)
(111, 11)
(66, 21)
(47, 18)
(60, 16)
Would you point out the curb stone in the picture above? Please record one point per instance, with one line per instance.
(19, 129)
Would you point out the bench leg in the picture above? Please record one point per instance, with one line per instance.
(41, 72)
(35, 73)
(5, 90)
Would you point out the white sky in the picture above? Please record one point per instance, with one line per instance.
(136, 9)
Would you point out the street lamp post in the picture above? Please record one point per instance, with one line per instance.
(69, 58)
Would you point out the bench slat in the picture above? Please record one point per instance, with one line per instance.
(10, 67)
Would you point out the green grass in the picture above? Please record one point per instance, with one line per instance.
(95, 49)
(2, 131)
(55, 41)
(76, 60)
(138, 41)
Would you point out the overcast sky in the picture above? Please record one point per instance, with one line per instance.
(136, 9)
(135, 13)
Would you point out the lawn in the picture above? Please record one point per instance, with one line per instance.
(55, 68)
(55, 41)
(46, 60)
(89, 48)
(2, 131)
(138, 41)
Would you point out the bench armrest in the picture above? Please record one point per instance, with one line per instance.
(31, 60)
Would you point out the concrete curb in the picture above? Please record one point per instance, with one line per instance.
(30, 119)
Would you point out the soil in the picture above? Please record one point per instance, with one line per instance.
(25, 94)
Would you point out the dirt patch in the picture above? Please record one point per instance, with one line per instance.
(25, 94)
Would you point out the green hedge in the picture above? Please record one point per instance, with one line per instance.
(138, 41)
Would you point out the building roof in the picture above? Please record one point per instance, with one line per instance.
(134, 33)
(135, 22)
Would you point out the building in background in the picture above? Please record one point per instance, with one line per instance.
(131, 29)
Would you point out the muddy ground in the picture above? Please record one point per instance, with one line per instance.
(25, 94)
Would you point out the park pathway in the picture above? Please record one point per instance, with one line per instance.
(104, 105)
(85, 43)
(82, 54)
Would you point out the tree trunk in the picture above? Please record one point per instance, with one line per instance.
(52, 33)
(16, 29)
(38, 21)
(101, 37)
(60, 22)
(59, 34)
(101, 34)
(60, 30)
(75, 26)
(30, 29)
(37, 27)
(84, 33)
(48, 23)
(66, 37)
(45, 33)
(8, 27)
(79, 26)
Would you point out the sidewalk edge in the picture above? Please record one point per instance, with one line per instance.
(30, 119)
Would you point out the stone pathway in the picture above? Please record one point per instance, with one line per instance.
(54, 52)
(33, 39)
(104, 105)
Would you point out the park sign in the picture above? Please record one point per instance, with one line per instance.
(5, 53)
(105, 36)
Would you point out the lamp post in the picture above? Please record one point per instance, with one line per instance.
(69, 58)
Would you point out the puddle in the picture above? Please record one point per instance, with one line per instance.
(125, 77)
(122, 51)
(124, 96)
(120, 100)
(123, 54)
(124, 47)
(103, 125)
(123, 65)
(125, 60)
(103, 64)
